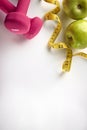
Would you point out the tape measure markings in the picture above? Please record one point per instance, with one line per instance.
(52, 15)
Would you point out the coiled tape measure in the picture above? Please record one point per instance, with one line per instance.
(52, 15)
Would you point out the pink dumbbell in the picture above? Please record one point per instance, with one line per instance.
(6, 6)
(19, 23)
(35, 27)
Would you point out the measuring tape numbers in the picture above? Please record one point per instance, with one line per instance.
(53, 15)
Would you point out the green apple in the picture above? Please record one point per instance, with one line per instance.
(75, 9)
(76, 34)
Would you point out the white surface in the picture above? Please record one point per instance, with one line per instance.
(34, 94)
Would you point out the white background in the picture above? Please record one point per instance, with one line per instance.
(34, 93)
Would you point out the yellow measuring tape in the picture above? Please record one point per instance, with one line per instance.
(82, 54)
(53, 15)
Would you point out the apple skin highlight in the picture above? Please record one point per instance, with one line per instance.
(75, 9)
(76, 34)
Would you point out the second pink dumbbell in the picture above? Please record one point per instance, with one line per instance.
(17, 21)
(6, 6)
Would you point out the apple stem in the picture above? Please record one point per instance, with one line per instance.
(79, 6)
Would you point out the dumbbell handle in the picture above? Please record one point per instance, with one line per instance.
(7, 6)
(22, 6)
